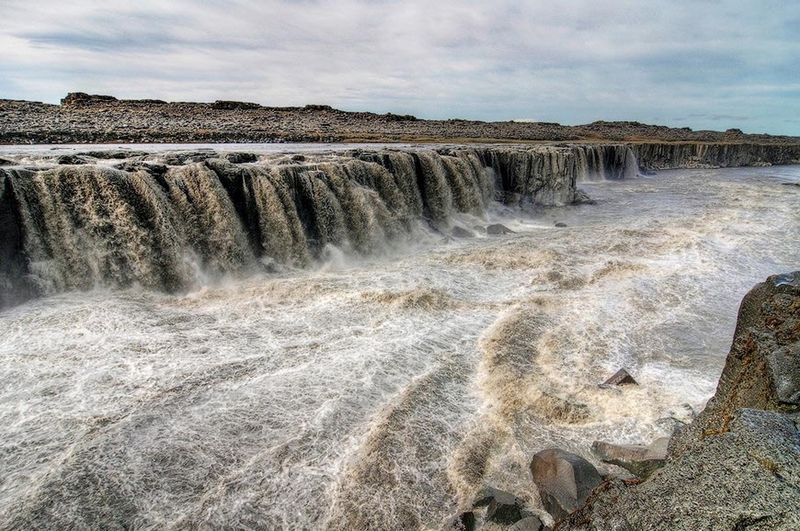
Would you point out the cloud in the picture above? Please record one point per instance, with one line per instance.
(572, 62)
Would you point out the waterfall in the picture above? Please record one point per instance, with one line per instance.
(169, 226)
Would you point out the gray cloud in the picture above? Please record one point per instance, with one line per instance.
(717, 64)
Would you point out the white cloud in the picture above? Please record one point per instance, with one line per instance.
(572, 61)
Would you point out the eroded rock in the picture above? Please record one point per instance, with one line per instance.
(240, 158)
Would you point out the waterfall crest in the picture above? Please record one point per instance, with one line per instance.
(165, 224)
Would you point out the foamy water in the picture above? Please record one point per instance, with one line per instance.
(381, 393)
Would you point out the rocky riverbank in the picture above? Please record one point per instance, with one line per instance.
(83, 118)
(735, 467)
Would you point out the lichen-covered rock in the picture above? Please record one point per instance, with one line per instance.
(747, 477)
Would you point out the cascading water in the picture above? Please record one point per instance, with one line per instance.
(294, 345)
(146, 224)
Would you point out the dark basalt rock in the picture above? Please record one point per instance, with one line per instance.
(560, 224)
(240, 158)
(81, 99)
(71, 160)
(6, 162)
(564, 480)
(640, 460)
(234, 105)
(531, 523)
(460, 232)
(501, 507)
(462, 522)
(582, 198)
(498, 229)
(150, 167)
(621, 377)
(183, 157)
(111, 154)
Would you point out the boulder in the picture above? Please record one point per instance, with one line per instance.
(6, 162)
(237, 157)
(747, 477)
(82, 99)
(564, 480)
(640, 460)
(762, 370)
(621, 377)
(560, 224)
(582, 198)
(71, 160)
(497, 228)
(460, 232)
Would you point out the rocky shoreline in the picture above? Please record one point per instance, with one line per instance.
(735, 467)
(84, 118)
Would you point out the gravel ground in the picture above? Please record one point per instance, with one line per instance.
(83, 118)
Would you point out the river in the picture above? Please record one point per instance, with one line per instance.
(379, 391)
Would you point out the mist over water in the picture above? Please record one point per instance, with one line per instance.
(380, 389)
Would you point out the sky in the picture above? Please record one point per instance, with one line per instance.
(704, 64)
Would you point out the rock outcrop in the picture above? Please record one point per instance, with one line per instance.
(762, 370)
(666, 156)
(737, 466)
(745, 478)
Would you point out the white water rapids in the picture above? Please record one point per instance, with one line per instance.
(381, 393)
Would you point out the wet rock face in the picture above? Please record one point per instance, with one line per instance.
(762, 370)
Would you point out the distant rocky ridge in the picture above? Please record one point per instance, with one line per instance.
(84, 118)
